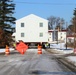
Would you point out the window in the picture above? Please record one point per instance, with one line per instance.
(41, 24)
(41, 34)
(22, 34)
(22, 24)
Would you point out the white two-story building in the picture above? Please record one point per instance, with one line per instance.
(31, 29)
(55, 36)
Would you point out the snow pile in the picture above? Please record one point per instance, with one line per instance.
(67, 51)
(59, 45)
(72, 59)
(60, 48)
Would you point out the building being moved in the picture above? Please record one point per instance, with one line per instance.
(32, 29)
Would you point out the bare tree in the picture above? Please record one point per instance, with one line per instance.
(55, 22)
(60, 23)
(51, 22)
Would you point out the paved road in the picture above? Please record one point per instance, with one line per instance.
(32, 64)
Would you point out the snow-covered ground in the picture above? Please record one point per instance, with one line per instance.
(61, 47)
(72, 59)
(3, 50)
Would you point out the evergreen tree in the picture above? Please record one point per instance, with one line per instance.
(7, 8)
(74, 12)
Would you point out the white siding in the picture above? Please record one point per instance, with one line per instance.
(62, 36)
(31, 29)
(50, 39)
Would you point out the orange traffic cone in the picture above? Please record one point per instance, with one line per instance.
(7, 51)
(39, 49)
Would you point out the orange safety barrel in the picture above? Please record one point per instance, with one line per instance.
(7, 51)
(39, 49)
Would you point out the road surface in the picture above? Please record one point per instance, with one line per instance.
(32, 63)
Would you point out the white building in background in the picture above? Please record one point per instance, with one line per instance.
(32, 28)
(56, 36)
(50, 36)
(62, 35)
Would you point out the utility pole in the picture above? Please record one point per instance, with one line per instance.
(66, 35)
(60, 34)
(60, 30)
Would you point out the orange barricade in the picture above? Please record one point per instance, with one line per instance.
(7, 51)
(39, 49)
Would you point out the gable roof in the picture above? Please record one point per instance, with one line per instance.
(31, 15)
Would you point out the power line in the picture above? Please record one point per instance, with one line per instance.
(46, 3)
